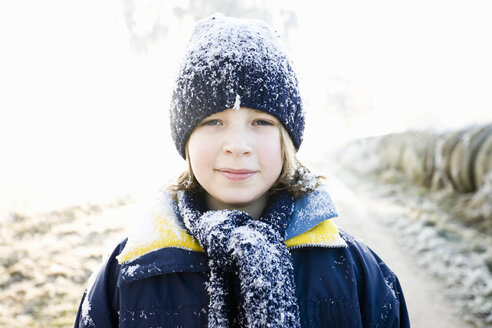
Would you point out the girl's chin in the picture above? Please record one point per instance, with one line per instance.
(235, 202)
(227, 202)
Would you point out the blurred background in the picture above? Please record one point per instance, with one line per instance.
(85, 88)
(86, 84)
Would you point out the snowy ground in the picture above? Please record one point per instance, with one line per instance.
(47, 258)
(442, 265)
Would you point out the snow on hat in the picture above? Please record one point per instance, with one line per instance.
(231, 62)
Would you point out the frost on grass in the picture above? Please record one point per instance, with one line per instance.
(458, 255)
(480, 204)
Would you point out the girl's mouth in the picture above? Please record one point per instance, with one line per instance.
(236, 175)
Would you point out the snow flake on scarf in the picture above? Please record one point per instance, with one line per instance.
(233, 239)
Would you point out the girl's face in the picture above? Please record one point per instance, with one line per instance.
(236, 156)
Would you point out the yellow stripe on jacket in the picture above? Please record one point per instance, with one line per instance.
(168, 234)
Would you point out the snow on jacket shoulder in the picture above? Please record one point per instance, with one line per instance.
(157, 276)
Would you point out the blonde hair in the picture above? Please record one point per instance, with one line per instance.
(295, 177)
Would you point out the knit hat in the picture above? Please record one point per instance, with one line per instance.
(229, 63)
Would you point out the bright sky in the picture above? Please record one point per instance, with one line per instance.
(419, 63)
(83, 115)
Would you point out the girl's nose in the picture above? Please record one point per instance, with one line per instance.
(236, 143)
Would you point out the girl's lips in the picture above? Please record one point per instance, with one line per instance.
(236, 175)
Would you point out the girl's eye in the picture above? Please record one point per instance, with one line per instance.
(211, 122)
(262, 122)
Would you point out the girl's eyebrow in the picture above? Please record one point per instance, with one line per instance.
(266, 116)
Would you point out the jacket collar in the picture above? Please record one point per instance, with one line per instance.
(163, 227)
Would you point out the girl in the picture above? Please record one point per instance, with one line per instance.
(244, 237)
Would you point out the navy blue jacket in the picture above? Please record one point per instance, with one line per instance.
(157, 277)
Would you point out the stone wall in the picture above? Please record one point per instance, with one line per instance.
(459, 159)
(454, 168)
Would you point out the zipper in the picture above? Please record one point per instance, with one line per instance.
(344, 245)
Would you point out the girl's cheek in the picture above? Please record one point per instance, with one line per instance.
(271, 152)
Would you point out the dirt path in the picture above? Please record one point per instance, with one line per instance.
(426, 303)
(47, 259)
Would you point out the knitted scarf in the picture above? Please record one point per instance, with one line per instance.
(255, 251)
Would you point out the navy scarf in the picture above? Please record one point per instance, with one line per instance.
(255, 251)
